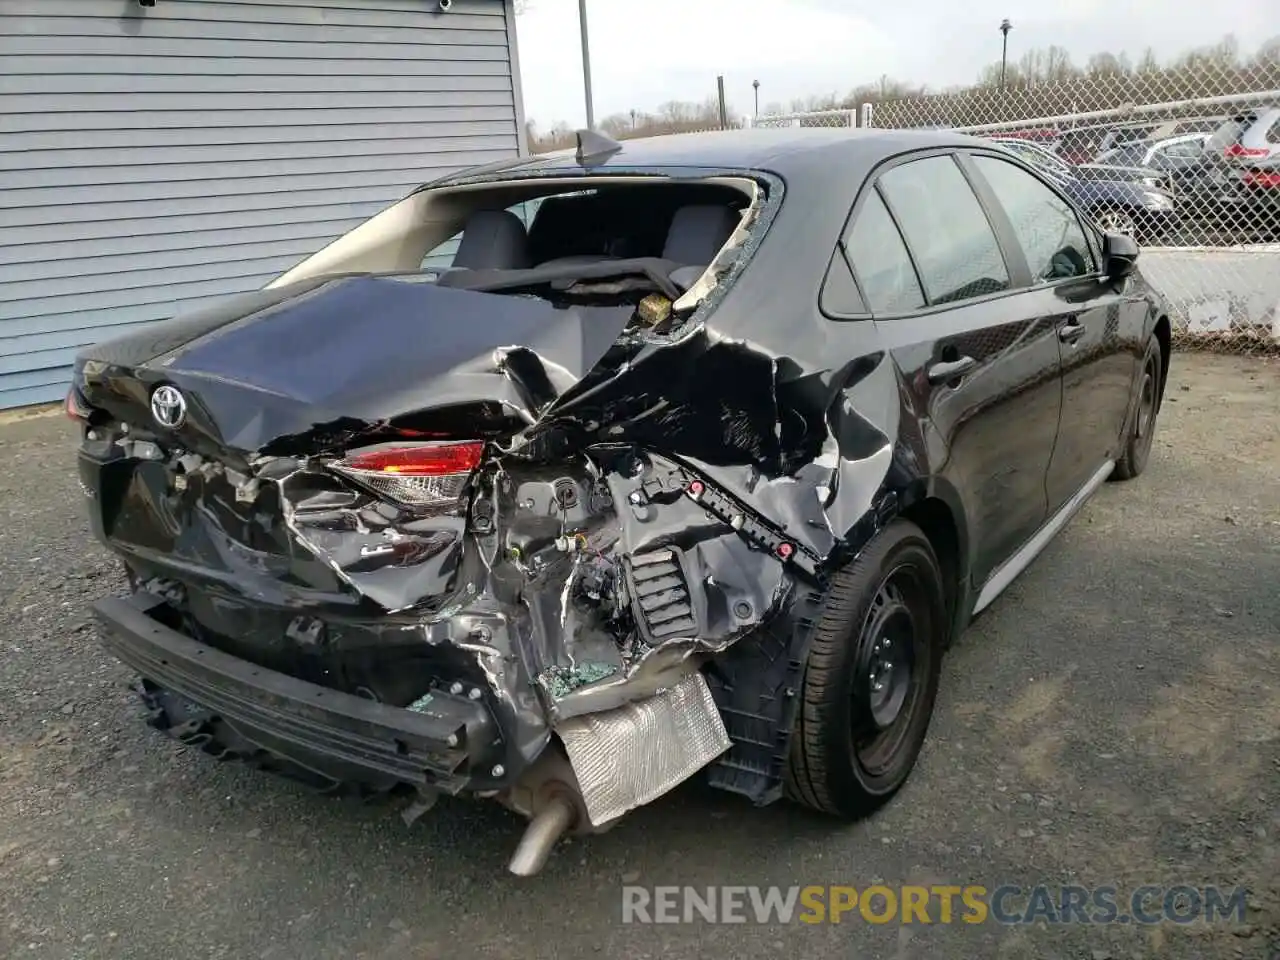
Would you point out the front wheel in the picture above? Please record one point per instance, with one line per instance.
(1137, 448)
(1117, 221)
(871, 677)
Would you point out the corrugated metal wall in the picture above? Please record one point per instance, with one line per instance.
(154, 160)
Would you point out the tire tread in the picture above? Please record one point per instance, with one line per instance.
(808, 778)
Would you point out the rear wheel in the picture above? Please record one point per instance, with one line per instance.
(1137, 449)
(871, 677)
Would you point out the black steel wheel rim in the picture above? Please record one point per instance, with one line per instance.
(1146, 404)
(889, 671)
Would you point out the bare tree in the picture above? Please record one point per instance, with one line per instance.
(1057, 65)
(1045, 80)
(1107, 65)
(1268, 54)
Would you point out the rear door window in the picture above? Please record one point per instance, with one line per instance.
(880, 260)
(949, 236)
(1047, 228)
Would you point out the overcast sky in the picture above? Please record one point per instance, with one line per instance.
(645, 52)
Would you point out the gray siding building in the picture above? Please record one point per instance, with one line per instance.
(154, 159)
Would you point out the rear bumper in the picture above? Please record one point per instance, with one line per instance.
(451, 744)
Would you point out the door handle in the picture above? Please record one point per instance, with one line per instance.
(1071, 331)
(948, 370)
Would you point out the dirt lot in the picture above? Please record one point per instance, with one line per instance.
(1113, 719)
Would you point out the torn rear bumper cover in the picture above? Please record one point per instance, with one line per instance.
(333, 735)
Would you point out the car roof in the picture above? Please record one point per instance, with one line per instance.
(779, 150)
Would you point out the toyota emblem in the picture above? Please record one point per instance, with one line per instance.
(169, 407)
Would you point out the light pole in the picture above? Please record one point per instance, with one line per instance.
(1005, 27)
(755, 85)
(586, 63)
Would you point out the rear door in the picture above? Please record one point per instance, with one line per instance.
(1098, 328)
(981, 371)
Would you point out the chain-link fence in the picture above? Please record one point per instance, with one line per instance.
(1186, 160)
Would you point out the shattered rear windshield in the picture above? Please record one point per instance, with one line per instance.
(656, 244)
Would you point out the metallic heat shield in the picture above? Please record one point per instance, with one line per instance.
(626, 757)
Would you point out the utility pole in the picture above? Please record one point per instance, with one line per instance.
(755, 85)
(586, 63)
(1005, 27)
(724, 116)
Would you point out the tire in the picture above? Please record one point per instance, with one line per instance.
(848, 755)
(1137, 447)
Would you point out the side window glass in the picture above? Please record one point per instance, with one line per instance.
(440, 257)
(1047, 227)
(1186, 150)
(947, 230)
(880, 260)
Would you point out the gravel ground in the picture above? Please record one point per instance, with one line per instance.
(1114, 718)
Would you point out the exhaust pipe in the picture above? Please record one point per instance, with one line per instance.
(541, 835)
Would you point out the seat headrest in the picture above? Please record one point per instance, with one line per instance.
(698, 232)
(493, 240)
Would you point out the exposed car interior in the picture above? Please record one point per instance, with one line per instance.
(600, 235)
(619, 239)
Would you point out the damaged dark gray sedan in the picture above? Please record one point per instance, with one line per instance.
(699, 470)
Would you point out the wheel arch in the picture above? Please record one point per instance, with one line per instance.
(936, 508)
(937, 520)
(1163, 333)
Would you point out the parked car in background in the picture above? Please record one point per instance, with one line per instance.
(1167, 156)
(1087, 144)
(1244, 153)
(1117, 199)
(1047, 137)
(702, 470)
(1083, 144)
(1180, 159)
(1038, 153)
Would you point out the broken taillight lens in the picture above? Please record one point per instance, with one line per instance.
(431, 475)
(1239, 150)
(74, 407)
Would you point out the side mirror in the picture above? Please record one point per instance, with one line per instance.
(1119, 255)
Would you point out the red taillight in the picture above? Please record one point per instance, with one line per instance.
(428, 460)
(73, 408)
(1257, 178)
(1239, 150)
(423, 475)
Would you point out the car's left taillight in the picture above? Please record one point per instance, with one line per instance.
(75, 406)
(427, 476)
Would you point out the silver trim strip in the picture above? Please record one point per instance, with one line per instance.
(1008, 571)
